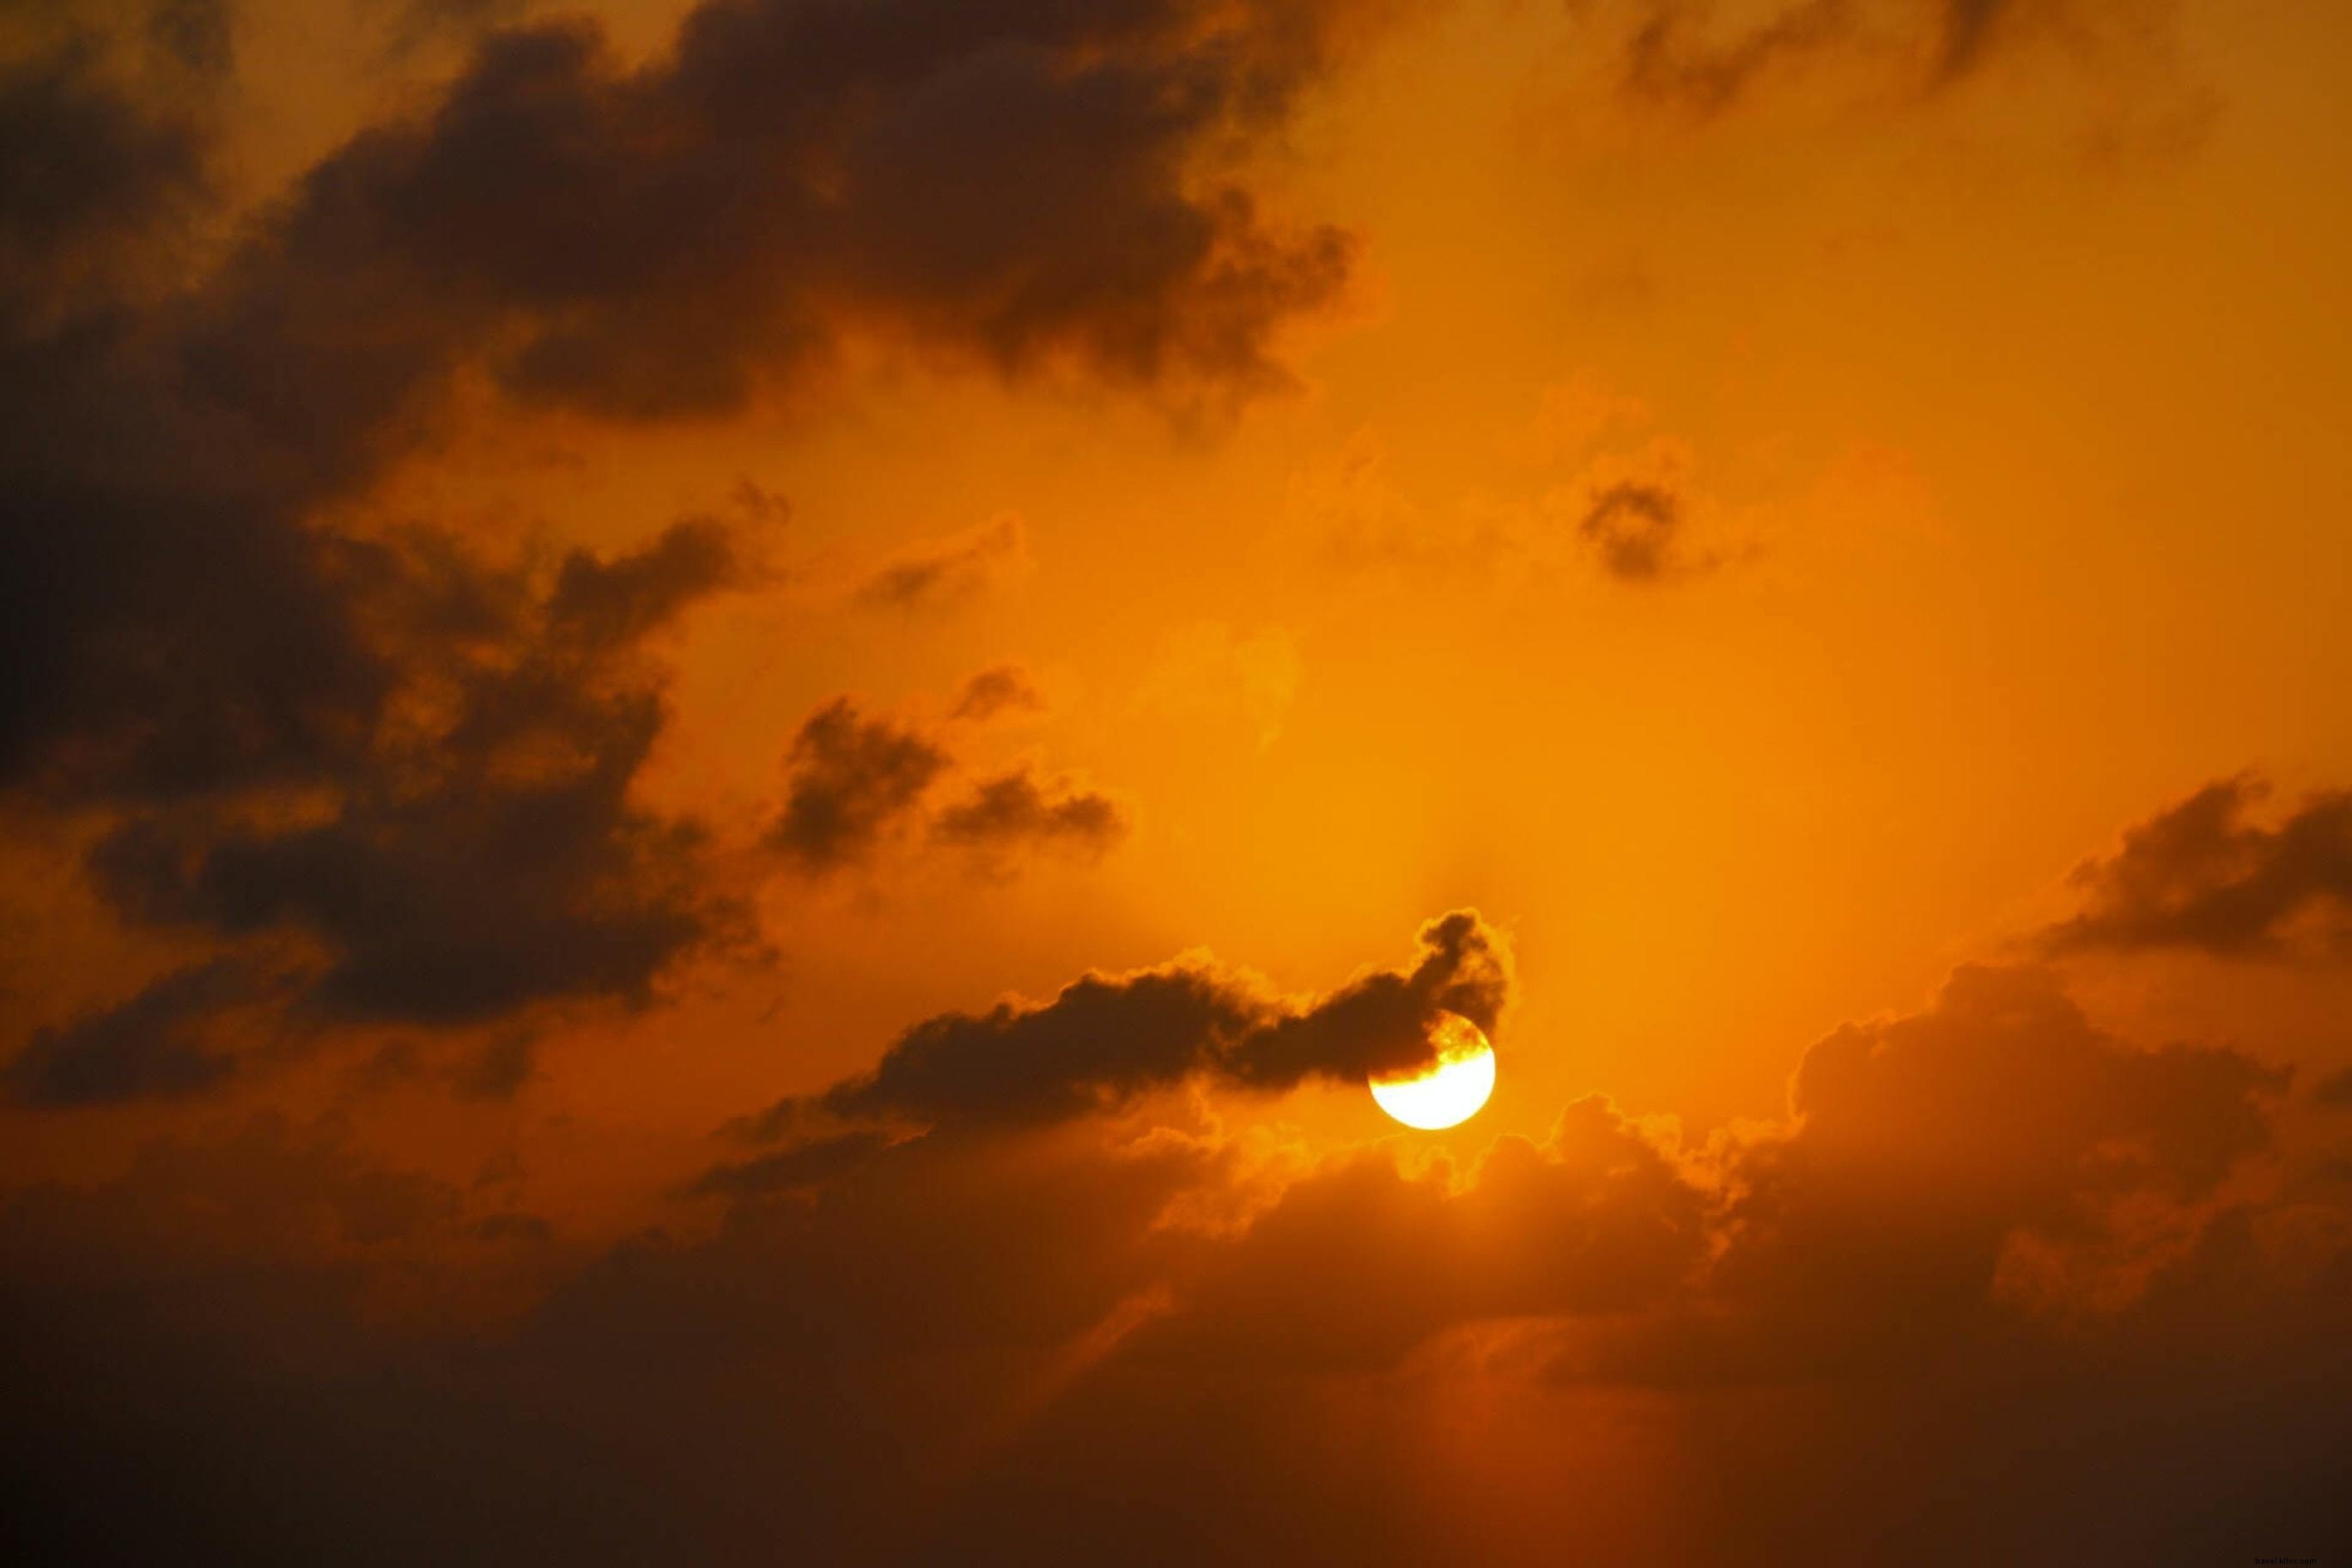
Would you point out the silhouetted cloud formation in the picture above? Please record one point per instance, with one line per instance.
(1025, 185)
(191, 637)
(2200, 876)
(853, 780)
(1029, 1336)
(1015, 810)
(494, 859)
(1635, 529)
(1678, 54)
(466, 851)
(1105, 1039)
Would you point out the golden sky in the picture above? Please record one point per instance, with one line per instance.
(732, 727)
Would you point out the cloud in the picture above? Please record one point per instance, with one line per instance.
(1363, 1259)
(992, 1260)
(802, 1167)
(1632, 528)
(1005, 687)
(609, 604)
(475, 850)
(1949, 1169)
(853, 780)
(296, 730)
(2200, 877)
(82, 164)
(1676, 54)
(1105, 1039)
(151, 1046)
(1633, 512)
(1601, 490)
(1038, 186)
(1127, 1319)
(1013, 811)
(946, 571)
(1945, 1179)
(198, 34)
(1668, 61)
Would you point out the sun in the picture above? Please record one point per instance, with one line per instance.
(1449, 1091)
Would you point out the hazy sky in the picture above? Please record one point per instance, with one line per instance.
(728, 729)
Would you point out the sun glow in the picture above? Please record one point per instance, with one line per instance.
(1449, 1091)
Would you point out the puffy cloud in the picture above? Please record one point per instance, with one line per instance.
(853, 779)
(1012, 810)
(1949, 1169)
(1637, 512)
(376, 744)
(1633, 527)
(1029, 185)
(1105, 1039)
(460, 847)
(942, 1333)
(1124, 1319)
(485, 852)
(2199, 876)
(1362, 1259)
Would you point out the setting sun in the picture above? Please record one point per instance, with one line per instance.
(1449, 1091)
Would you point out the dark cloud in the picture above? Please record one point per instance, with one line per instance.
(2334, 1090)
(1362, 1260)
(80, 162)
(1013, 811)
(607, 603)
(2200, 877)
(421, 764)
(1667, 60)
(1943, 1177)
(944, 1334)
(1105, 1039)
(500, 1067)
(229, 1287)
(198, 34)
(1951, 1168)
(482, 853)
(853, 780)
(1006, 687)
(946, 571)
(802, 1167)
(1016, 1344)
(151, 1046)
(1636, 529)
(1023, 186)
(1676, 54)
(416, 763)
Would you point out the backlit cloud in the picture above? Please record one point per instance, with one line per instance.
(1105, 1039)
(2200, 876)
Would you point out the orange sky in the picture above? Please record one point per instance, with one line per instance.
(1769, 504)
